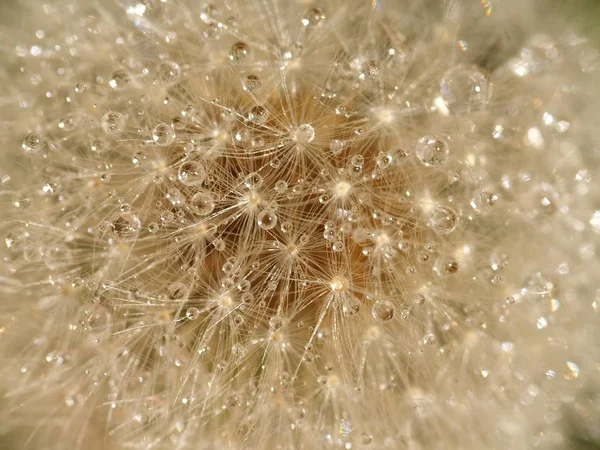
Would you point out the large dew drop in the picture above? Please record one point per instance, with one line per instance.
(432, 150)
(465, 88)
(267, 219)
(383, 310)
(443, 219)
(202, 203)
(127, 225)
(191, 173)
(304, 134)
(163, 134)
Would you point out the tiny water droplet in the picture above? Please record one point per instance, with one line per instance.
(113, 122)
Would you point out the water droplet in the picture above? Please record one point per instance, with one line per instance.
(304, 134)
(432, 150)
(31, 143)
(169, 71)
(191, 173)
(252, 83)
(238, 52)
(337, 146)
(372, 68)
(93, 319)
(383, 310)
(126, 225)
(202, 203)
(98, 146)
(258, 115)
(267, 219)
(384, 160)
(175, 197)
(163, 134)
(465, 88)
(445, 266)
(192, 313)
(80, 88)
(276, 322)
(281, 186)
(338, 246)
(105, 177)
(357, 160)
(443, 219)
(120, 79)
(313, 17)
(253, 180)
(113, 122)
(244, 286)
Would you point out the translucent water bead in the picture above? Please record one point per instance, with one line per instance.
(443, 219)
(304, 134)
(112, 122)
(465, 88)
(432, 150)
(163, 134)
(267, 219)
(382, 310)
(191, 173)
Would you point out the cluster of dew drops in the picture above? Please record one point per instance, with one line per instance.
(464, 87)
(239, 175)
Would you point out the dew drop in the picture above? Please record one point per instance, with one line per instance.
(313, 17)
(192, 313)
(252, 83)
(175, 197)
(337, 146)
(338, 246)
(202, 203)
(432, 150)
(357, 161)
(93, 319)
(304, 134)
(465, 88)
(267, 219)
(253, 180)
(120, 79)
(80, 88)
(239, 51)
(258, 115)
(163, 134)
(276, 322)
(127, 225)
(281, 186)
(113, 122)
(244, 286)
(31, 143)
(383, 310)
(443, 219)
(169, 71)
(384, 160)
(191, 173)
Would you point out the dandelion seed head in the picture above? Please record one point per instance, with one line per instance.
(253, 224)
